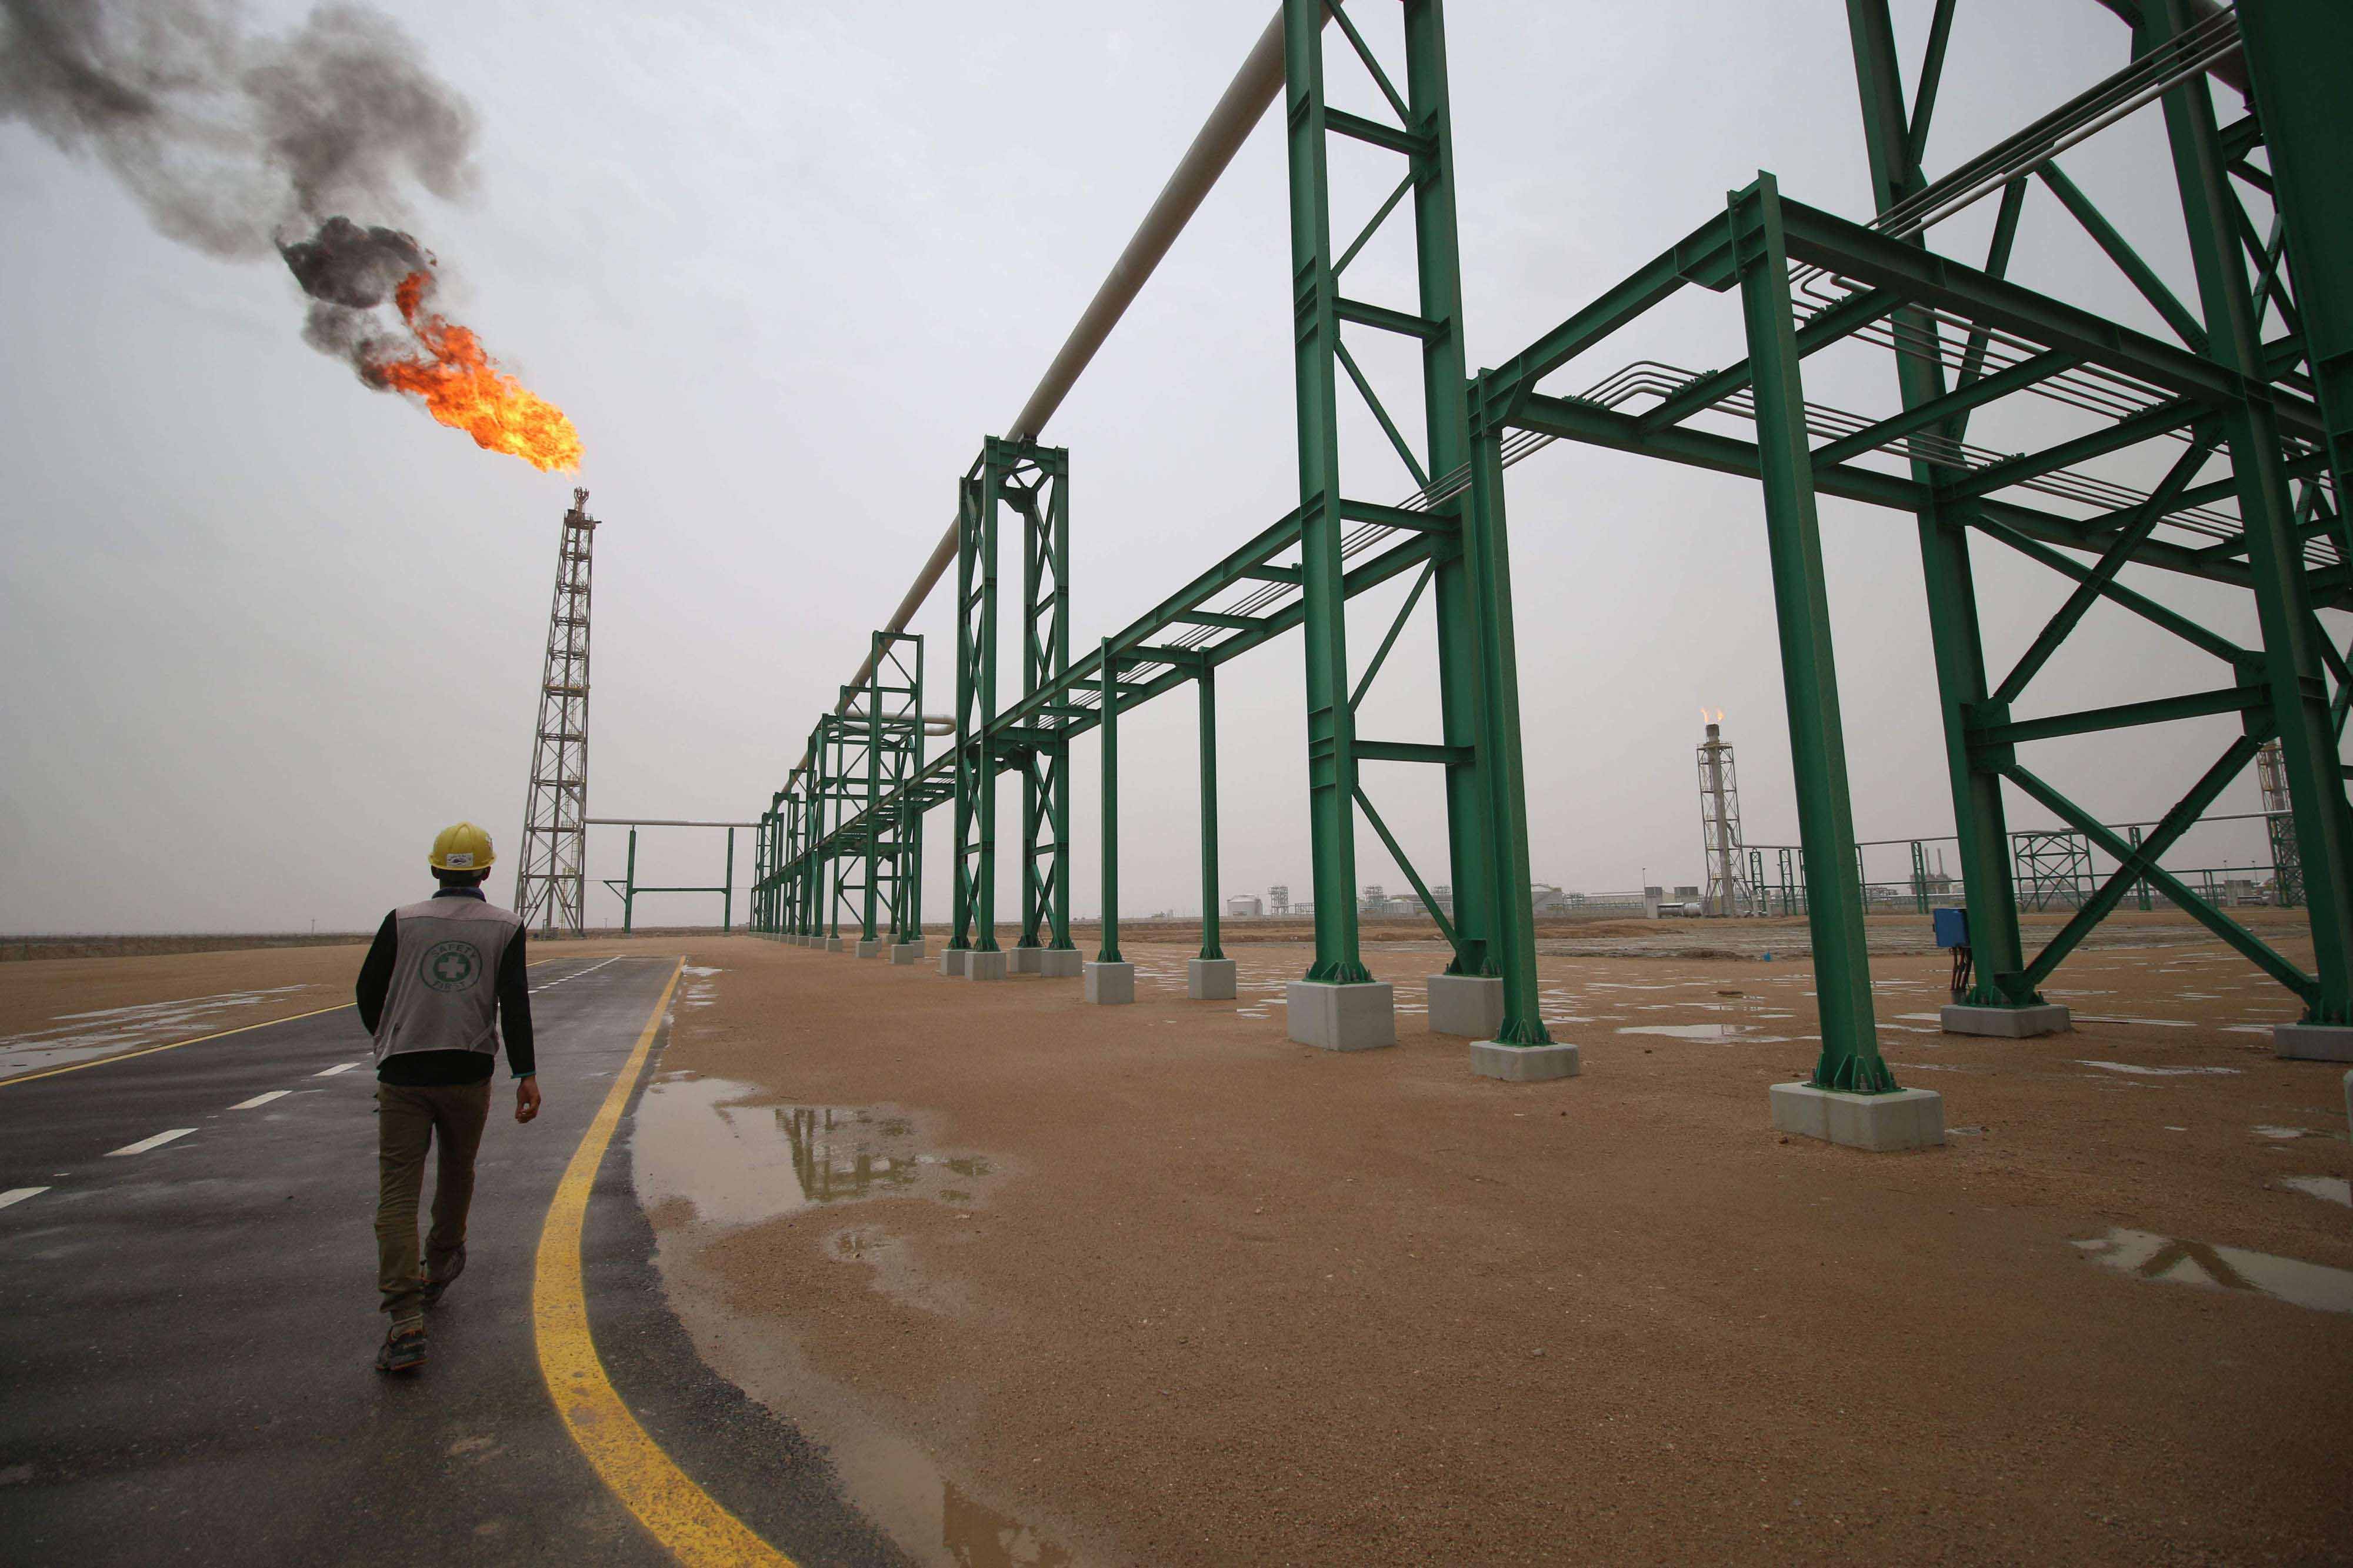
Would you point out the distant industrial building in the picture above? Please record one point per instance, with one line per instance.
(1246, 906)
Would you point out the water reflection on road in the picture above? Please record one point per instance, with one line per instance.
(740, 1164)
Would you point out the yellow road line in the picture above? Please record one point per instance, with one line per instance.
(176, 1045)
(678, 1514)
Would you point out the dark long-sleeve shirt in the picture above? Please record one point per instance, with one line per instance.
(423, 1070)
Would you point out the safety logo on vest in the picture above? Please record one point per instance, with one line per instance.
(450, 965)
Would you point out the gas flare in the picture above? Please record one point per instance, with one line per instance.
(444, 367)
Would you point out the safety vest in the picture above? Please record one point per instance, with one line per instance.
(444, 995)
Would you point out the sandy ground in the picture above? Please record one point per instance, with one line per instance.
(1153, 1284)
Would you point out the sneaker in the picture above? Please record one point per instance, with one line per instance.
(436, 1282)
(404, 1347)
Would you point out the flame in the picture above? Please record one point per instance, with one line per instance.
(1711, 716)
(462, 387)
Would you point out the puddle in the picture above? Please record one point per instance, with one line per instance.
(2147, 1256)
(2156, 1072)
(691, 969)
(899, 1487)
(2283, 1133)
(2328, 1189)
(1719, 1034)
(738, 1164)
(977, 1536)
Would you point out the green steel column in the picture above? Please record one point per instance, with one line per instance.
(754, 894)
(803, 893)
(1331, 726)
(875, 835)
(2291, 659)
(1058, 893)
(727, 889)
(1110, 953)
(2299, 57)
(1466, 621)
(629, 886)
(796, 839)
(978, 497)
(1511, 948)
(1045, 661)
(966, 686)
(1034, 765)
(829, 913)
(1981, 823)
(911, 824)
(1850, 1058)
(1209, 685)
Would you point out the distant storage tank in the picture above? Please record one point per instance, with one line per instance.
(1245, 906)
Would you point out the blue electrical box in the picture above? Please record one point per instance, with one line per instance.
(1952, 926)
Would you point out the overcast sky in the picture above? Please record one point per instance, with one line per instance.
(267, 630)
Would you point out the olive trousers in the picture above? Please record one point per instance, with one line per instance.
(407, 1121)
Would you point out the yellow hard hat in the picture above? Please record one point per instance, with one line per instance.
(464, 848)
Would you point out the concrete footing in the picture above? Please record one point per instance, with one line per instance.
(870, 949)
(1361, 1017)
(1209, 979)
(1521, 1064)
(1022, 960)
(952, 962)
(1470, 1005)
(1110, 984)
(1060, 963)
(978, 965)
(2313, 1042)
(837, 944)
(1882, 1123)
(906, 952)
(2008, 1022)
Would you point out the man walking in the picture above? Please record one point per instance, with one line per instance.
(440, 978)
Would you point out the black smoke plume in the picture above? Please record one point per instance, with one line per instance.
(240, 146)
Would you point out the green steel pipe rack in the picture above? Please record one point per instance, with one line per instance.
(2270, 224)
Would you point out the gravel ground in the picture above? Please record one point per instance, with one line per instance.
(1152, 1284)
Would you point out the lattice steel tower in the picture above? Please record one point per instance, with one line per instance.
(550, 876)
(2279, 823)
(1719, 826)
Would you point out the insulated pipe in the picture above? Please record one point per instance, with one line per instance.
(1254, 86)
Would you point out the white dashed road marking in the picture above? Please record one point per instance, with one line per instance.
(339, 1067)
(146, 1144)
(575, 974)
(261, 1099)
(18, 1194)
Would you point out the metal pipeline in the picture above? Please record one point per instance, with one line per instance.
(1258, 84)
(2231, 72)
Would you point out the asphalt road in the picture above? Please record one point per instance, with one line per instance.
(187, 1328)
